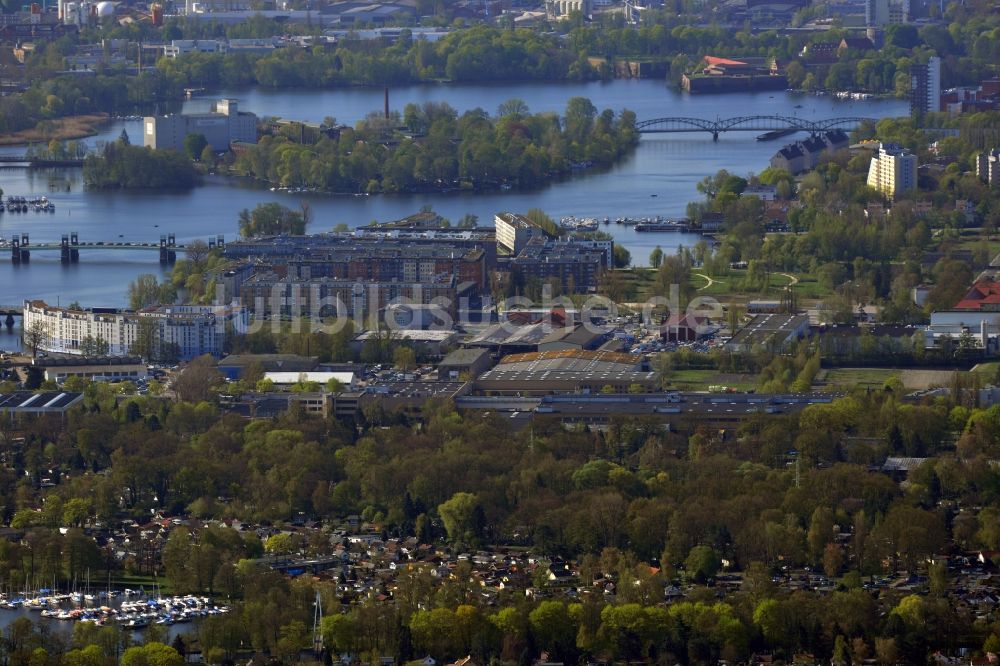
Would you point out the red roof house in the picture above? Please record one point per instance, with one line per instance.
(984, 296)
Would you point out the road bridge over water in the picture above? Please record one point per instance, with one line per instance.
(70, 246)
(773, 123)
(27, 162)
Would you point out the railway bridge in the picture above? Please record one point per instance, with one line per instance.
(771, 123)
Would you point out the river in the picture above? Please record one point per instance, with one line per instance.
(659, 178)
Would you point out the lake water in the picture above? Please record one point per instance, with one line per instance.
(659, 178)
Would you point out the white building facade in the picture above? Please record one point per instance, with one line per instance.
(189, 330)
(514, 231)
(222, 127)
(988, 167)
(893, 170)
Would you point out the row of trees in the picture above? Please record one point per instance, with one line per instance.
(475, 54)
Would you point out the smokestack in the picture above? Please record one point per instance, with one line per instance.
(387, 101)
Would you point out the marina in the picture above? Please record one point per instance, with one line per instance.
(129, 609)
(16, 204)
(584, 224)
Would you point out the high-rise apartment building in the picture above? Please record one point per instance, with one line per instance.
(893, 170)
(988, 167)
(925, 87)
(880, 13)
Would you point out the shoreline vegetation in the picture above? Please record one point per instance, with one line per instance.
(66, 128)
(430, 147)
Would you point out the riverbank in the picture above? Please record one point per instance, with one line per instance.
(667, 165)
(61, 129)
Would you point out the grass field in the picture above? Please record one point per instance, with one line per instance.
(70, 127)
(848, 378)
(987, 370)
(700, 380)
(729, 287)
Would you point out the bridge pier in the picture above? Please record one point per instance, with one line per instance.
(64, 257)
(167, 254)
(74, 250)
(19, 253)
(715, 136)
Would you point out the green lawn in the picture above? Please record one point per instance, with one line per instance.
(858, 377)
(700, 380)
(987, 369)
(148, 583)
(639, 280)
(730, 285)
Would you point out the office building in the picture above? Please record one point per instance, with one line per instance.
(893, 170)
(925, 87)
(124, 368)
(179, 47)
(880, 13)
(221, 127)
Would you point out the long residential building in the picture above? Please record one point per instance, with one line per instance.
(183, 331)
(806, 154)
(268, 293)
(576, 266)
(376, 256)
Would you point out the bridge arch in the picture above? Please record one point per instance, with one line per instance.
(676, 124)
(758, 123)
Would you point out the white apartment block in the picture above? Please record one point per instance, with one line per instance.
(893, 170)
(194, 329)
(513, 231)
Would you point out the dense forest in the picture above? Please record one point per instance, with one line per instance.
(123, 166)
(636, 504)
(432, 147)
